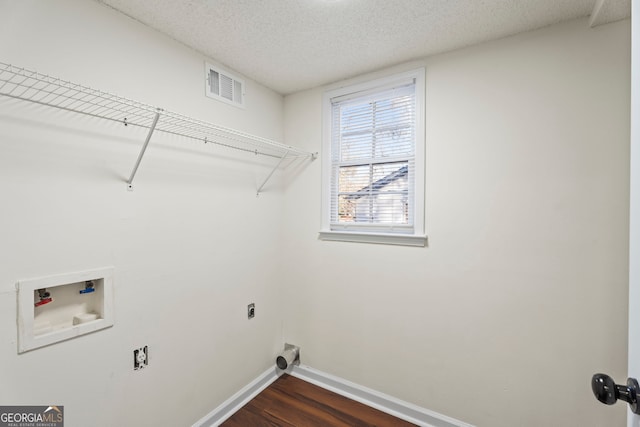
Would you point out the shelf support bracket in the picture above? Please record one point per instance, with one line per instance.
(144, 148)
(269, 176)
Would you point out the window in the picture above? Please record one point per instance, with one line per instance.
(373, 161)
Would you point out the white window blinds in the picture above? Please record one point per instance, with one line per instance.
(373, 150)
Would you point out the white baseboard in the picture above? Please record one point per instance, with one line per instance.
(238, 400)
(380, 401)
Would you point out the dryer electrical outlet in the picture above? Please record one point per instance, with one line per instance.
(140, 358)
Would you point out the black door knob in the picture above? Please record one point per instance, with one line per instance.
(608, 392)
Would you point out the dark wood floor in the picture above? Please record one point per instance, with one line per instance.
(290, 401)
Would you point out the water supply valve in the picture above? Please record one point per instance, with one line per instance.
(45, 297)
(88, 287)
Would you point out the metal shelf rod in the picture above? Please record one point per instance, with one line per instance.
(269, 176)
(144, 148)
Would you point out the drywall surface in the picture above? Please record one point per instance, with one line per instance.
(191, 245)
(521, 294)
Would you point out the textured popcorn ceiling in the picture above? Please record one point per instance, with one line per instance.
(290, 45)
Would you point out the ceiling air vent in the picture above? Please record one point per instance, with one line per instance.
(224, 86)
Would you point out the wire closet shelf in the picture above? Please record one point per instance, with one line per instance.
(27, 85)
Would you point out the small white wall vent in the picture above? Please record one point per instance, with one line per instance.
(224, 86)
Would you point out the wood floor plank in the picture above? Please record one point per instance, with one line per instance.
(327, 407)
(248, 418)
(290, 401)
(349, 411)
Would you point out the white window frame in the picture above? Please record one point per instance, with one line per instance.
(417, 237)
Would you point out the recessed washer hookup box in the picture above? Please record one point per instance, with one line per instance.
(57, 308)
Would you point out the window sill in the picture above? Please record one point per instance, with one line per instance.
(379, 238)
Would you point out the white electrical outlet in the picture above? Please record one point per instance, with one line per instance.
(140, 358)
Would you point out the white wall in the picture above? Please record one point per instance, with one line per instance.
(521, 295)
(191, 245)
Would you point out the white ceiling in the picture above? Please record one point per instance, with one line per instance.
(291, 45)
